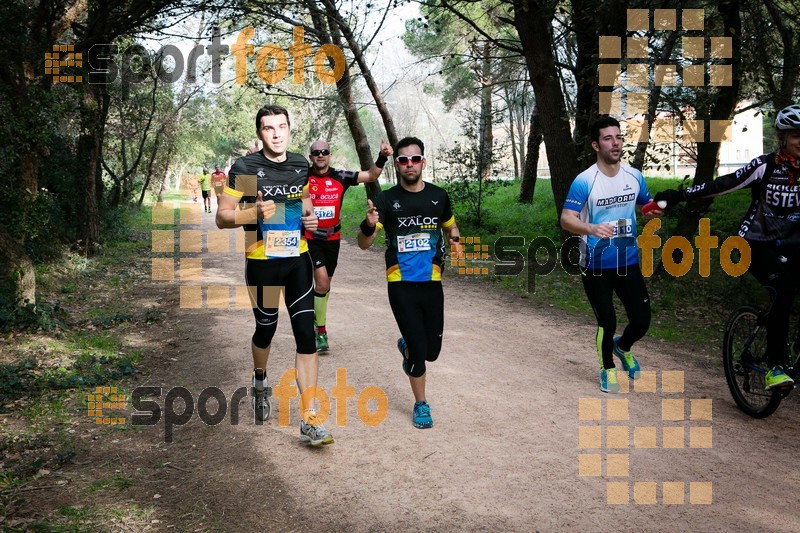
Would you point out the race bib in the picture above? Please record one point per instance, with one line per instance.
(279, 243)
(417, 242)
(325, 212)
(623, 228)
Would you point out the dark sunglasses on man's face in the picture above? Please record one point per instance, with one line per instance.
(404, 159)
(324, 151)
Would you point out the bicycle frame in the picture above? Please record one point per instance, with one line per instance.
(746, 355)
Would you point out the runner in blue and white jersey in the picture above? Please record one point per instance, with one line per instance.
(600, 207)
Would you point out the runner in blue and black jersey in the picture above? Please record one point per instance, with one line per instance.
(600, 207)
(415, 215)
(273, 182)
(773, 215)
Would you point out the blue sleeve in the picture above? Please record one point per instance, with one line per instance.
(578, 194)
(644, 195)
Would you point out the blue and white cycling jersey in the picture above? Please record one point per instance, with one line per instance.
(611, 200)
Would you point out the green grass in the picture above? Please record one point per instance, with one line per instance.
(690, 308)
(61, 352)
(90, 517)
(115, 482)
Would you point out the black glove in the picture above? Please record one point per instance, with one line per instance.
(672, 196)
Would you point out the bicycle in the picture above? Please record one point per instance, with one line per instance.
(745, 362)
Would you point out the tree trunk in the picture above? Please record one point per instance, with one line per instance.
(533, 20)
(654, 98)
(88, 157)
(151, 164)
(723, 108)
(528, 185)
(358, 55)
(522, 127)
(585, 14)
(791, 63)
(512, 134)
(16, 264)
(330, 33)
(486, 148)
(19, 267)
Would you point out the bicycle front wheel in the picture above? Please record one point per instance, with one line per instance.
(744, 359)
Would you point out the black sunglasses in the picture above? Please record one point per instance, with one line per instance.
(324, 151)
(404, 159)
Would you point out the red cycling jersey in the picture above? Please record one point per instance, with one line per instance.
(327, 193)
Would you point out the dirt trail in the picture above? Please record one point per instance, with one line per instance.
(504, 454)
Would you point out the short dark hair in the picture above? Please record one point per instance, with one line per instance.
(599, 124)
(269, 110)
(408, 141)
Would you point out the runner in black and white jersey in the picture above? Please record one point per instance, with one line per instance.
(276, 252)
(774, 214)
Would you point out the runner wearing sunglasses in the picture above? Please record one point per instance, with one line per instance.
(326, 186)
(414, 214)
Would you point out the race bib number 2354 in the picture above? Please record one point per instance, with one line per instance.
(282, 243)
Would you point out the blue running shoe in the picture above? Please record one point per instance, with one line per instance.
(403, 347)
(422, 415)
(629, 362)
(608, 380)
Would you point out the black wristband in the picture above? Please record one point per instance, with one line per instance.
(457, 238)
(382, 159)
(366, 229)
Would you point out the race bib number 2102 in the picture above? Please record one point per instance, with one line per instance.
(416, 242)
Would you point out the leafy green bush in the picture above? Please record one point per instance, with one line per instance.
(44, 315)
(27, 376)
(462, 172)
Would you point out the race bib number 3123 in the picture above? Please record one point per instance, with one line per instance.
(325, 212)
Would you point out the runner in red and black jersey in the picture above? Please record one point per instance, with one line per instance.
(326, 187)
